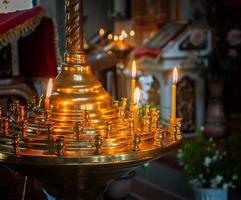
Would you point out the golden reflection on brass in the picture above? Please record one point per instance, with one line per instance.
(16, 140)
(175, 129)
(81, 119)
(136, 142)
(6, 126)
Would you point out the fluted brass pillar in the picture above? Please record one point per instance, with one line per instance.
(75, 88)
(74, 32)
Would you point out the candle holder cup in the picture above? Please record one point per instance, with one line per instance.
(175, 129)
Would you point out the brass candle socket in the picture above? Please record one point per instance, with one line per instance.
(175, 129)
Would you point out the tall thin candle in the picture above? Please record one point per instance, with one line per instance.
(133, 80)
(135, 109)
(174, 93)
(48, 93)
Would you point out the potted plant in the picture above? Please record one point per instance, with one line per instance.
(208, 169)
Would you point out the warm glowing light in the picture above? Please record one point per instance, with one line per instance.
(116, 37)
(101, 32)
(65, 103)
(133, 73)
(77, 77)
(124, 34)
(137, 96)
(121, 37)
(49, 88)
(175, 75)
(110, 36)
(132, 33)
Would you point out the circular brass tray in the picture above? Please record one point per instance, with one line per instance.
(80, 177)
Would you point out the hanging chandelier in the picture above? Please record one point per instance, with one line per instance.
(76, 138)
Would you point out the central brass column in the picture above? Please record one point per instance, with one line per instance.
(74, 32)
(76, 88)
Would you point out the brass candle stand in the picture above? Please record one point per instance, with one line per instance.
(82, 140)
(175, 129)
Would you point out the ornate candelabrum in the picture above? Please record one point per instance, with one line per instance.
(76, 139)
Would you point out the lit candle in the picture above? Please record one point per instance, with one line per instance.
(48, 93)
(101, 32)
(124, 34)
(174, 94)
(110, 36)
(132, 33)
(135, 109)
(121, 38)
(133, 80)
(116, 38)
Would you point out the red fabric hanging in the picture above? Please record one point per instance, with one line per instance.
(37, 50)
(11, 20)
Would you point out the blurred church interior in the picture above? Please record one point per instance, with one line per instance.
(201, 38)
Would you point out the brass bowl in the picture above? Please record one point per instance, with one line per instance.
(80, 177)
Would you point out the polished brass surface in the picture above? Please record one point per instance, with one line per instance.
(175, 129)
(77, 139)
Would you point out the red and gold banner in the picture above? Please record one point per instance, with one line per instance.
(37, 40)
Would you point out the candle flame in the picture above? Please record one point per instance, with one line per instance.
(136, 96)
(133, 74)
(101, 32)
(175, 75)
(121, 37)
(110, 36)
(132, 33)
(116, 37)
(49, 88)
(124, 34)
